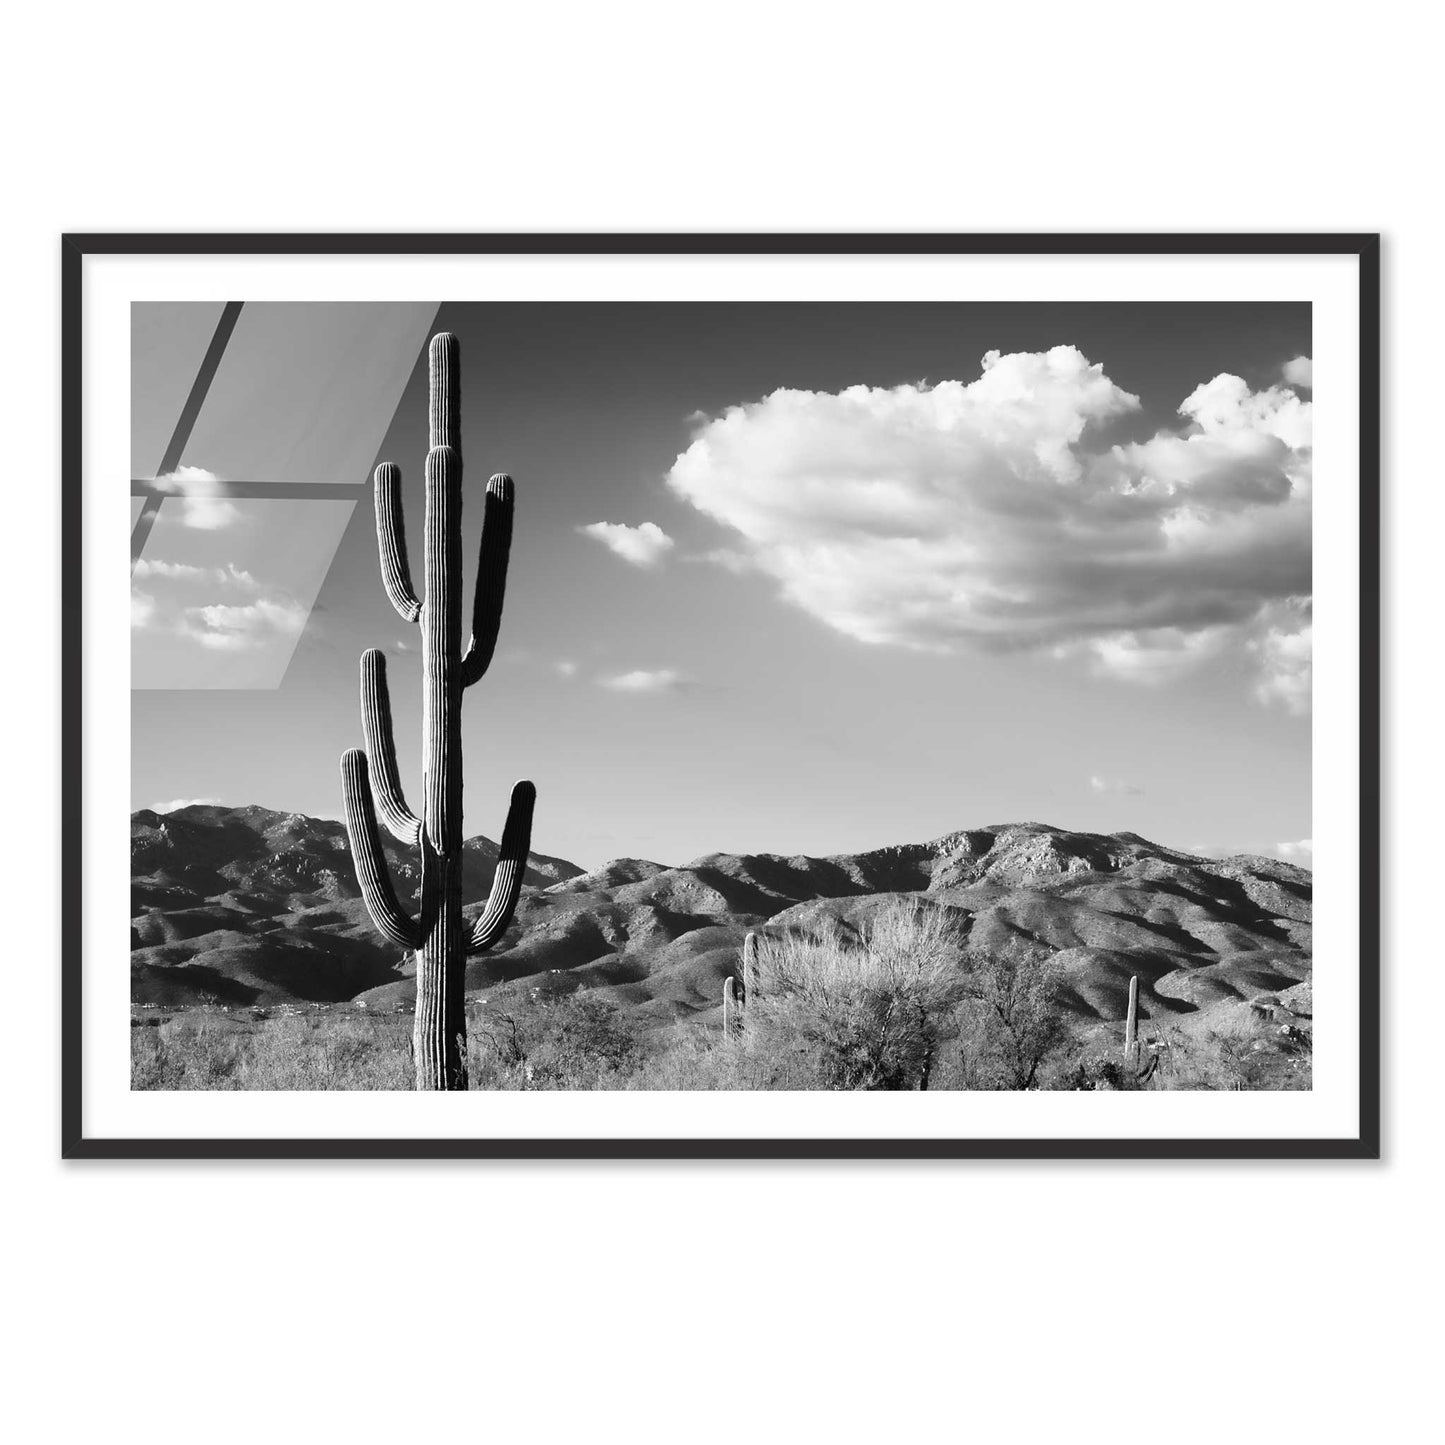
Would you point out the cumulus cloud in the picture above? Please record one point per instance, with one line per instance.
(567, 669)
(1300, 372)
(994, 513)
(643, 546)
(162, 606)
(238, 628)
(663, 680)
(174, 803)
(1301, 852)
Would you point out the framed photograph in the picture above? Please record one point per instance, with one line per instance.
(771, 696)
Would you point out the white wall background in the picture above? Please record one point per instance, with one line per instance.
(701, 1302)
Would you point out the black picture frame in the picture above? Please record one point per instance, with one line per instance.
(75, 1144)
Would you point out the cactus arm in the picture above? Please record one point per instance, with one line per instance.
(496, 545)
(387, 914)
(381, 748)
(391, 543)
(493, 920)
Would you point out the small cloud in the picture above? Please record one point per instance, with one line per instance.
(663, 680)
(1300, 853)
(1101, 784)
(173, 571)
(643, 546)
(201, 497)
(1153, 657)
(567, 669)
(228, 576)
(142, 609)
(402, 645)
(207, 514)
(187, 479)
(1300, 372)
(238, 629)
(175, 803)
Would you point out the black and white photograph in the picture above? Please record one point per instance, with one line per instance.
(721, 723)
(666, 697)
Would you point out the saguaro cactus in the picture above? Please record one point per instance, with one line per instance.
(370, 781)
(1131, 1025)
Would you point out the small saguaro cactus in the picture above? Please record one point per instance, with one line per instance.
(732, 1013)
(737, 996)
(371, 784)
(1131, 1025)
(750, 968)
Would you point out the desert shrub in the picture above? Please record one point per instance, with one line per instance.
(864, 1014)
(1009, 1025)
(1096, 1073)
(690, 1059)
(577, 1041)
(1234, 1059)
(695, 1058)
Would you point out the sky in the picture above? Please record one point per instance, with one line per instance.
(806, 578)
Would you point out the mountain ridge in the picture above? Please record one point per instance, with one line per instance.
(254, 906)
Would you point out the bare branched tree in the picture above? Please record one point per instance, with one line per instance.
(1009, 1023)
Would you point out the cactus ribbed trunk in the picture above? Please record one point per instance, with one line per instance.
(1131, 1025)
(440, 1031)
(439, 935)
(439, 1037)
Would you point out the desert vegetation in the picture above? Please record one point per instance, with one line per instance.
(902, 1002)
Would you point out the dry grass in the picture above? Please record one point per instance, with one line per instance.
(322, 1050)
(901, 1005)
